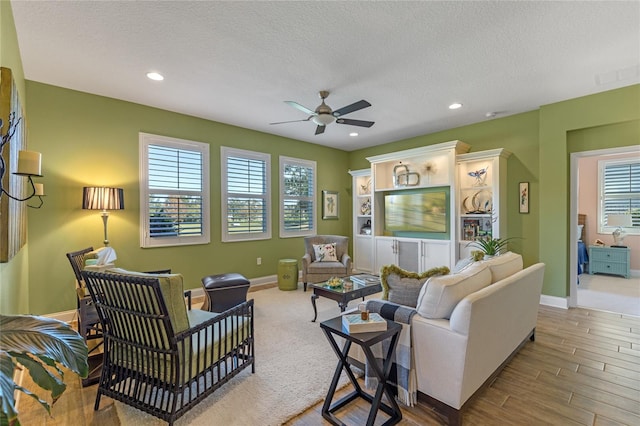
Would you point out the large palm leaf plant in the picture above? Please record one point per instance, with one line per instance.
(39, 344)
(492, 246)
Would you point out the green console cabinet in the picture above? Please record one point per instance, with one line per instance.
(610, 260)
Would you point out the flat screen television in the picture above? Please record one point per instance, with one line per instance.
(416, 212)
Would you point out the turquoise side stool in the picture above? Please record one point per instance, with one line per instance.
(288, 274)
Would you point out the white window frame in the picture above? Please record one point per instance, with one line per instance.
(602, 228)
(226, 152)
(313, 198)
(145, 140)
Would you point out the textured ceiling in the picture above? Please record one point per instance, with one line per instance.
(236, 62)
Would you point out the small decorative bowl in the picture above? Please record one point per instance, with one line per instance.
(334, 282)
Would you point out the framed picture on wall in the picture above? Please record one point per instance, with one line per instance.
(330, 206)
(523, 197)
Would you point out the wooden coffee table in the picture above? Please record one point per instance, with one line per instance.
(341, 294)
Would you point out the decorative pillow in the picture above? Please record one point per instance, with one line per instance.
(440, 295)
(504, 265)
(462, 263)
(403, 287)
(325, 252)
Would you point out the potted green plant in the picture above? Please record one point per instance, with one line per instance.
(38, 344)
(491, 246)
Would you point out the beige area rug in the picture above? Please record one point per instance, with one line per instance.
(294, 367)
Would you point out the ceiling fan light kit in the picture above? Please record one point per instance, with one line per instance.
(323, 115)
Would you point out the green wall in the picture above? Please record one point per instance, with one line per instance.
(14, 276)
(556, 122)
(89, 140)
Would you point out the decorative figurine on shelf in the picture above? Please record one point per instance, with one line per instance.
(366, 188)
(403, 177)
(365, 208)
(480, 175)
(428, 170)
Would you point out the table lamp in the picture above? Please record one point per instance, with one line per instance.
(619, 221)
(101, 198)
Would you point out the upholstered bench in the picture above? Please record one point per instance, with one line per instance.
(224, 291)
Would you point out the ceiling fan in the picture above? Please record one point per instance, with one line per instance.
(323, 115)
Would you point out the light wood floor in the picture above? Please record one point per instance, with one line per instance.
(583, 369)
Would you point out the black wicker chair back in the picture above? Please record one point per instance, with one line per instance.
(88, 321)
(152, 365)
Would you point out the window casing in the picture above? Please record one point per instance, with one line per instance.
(297, 197)
(174, 192)
(619, 192)
(246, 195)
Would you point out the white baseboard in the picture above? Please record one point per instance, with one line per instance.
(554, 301)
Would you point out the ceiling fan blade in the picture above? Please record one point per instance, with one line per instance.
(300, 107)
(320, 130)
(351, 108)
(360, 123)
(292, 121)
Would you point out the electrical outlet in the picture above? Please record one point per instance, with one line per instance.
(258, 261)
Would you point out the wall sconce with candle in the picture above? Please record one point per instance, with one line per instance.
(101, 198)
(29, 165)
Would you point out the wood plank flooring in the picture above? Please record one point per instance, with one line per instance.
(583, 369)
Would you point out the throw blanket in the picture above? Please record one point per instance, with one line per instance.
(403, 373)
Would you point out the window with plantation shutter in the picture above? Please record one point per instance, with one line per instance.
(246, 193)
(297, 197)
(174, 191)
(619, 182)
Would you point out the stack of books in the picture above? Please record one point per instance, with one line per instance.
(365, 279)
(355, 324)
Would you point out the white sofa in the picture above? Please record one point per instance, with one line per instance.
(468, 325)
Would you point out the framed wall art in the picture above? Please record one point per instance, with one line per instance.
(523, 197)
(330, 204)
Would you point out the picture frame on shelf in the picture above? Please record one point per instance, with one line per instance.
(523, 197)
(330, 205)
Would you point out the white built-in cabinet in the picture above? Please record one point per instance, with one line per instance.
(412, 254)
(482, 185)
(475, 208)
(362, 220)
(423, 169)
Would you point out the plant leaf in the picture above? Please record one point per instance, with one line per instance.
(41, 376)
(7, 386)
(45, 336)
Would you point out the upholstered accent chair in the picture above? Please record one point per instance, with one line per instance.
(316, 269)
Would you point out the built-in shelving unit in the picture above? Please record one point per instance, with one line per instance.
(481, 197)
(418, 170)
(362, 185)
(473, 205)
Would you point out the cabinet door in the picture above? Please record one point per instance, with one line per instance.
(435, 254)
(385, 252)
(409, 254)
(363, 253)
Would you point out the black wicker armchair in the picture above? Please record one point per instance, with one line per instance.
(159, 357)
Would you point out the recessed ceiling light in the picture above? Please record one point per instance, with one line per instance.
(155, 76)
(455, 105)
(353, 134)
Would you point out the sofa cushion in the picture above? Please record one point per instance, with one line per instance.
(504, 265)
(325, 252)
(403, 287)
(172, 292)
(440, 295)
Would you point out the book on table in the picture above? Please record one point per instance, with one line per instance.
(365, 279)
(355, 324)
